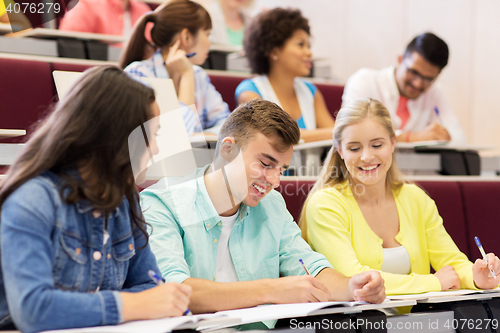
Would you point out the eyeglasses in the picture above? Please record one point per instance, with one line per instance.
(413, 74)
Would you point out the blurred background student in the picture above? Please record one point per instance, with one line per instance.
(229, 19)
(74, 246)
(110, 17)
(180, 36)
(278, 49)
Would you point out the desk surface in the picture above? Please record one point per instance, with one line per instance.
(402, 145)
(86, 62)
(55, 33)
(11, 133)
(5, 29)
(442, 146)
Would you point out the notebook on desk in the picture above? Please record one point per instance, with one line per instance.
(163, 325)
(295, 310)
(447, 296)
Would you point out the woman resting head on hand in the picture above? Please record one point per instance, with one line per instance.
(180, 35)
(362, 215)
(74, 246)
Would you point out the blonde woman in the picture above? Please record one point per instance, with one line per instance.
(362, 215)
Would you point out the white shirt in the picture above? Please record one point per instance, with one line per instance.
(381, 85)
(396, 260)
(225, 271)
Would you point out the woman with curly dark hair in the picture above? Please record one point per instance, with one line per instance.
(277, 47)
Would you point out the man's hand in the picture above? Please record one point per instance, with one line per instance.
(432, 132)
(368, 287)
(298, 289)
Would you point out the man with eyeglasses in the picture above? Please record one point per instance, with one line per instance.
(418, 108)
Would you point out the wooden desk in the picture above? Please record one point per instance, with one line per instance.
(9, 152)
(407, 156)
(55, 33)
(11, 133)
(40, 58)
(5, 29)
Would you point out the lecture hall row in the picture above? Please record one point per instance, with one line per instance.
(467, 204)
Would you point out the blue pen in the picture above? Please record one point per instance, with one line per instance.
(189, 55)
(478, 243)
(159, 281)
(304, 267)
(436, 110)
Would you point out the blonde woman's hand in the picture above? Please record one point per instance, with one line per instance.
(448, 278)
(481, 272)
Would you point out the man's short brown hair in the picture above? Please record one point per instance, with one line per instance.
(261, 116)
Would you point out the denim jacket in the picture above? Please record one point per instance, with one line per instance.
(58, 271)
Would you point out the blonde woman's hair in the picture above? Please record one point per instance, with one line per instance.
(334, 172)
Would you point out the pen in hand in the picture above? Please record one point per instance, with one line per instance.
(159, 281)
(485, 258)
(436, 111)
(189, 55)
(304, 267)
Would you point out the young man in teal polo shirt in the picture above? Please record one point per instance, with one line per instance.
(227, 234)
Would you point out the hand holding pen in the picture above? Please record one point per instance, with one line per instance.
(159, 281)
(483, 268)
(165, 300)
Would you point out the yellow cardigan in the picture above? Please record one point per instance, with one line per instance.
(337, 229)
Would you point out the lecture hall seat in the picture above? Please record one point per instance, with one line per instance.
(27, 90)
(447, 195)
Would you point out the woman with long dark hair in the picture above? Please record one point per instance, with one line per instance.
(74, 246)
(180, 35)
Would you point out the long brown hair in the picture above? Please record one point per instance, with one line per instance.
(89, 127)
(168, 20)
(334, 172)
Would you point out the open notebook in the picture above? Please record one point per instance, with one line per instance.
(158, 325)
(295, 310)
(448, 295)
(222, 319)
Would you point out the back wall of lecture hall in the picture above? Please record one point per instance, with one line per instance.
(350, 34)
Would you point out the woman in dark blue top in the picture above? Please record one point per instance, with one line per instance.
(74, 246)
